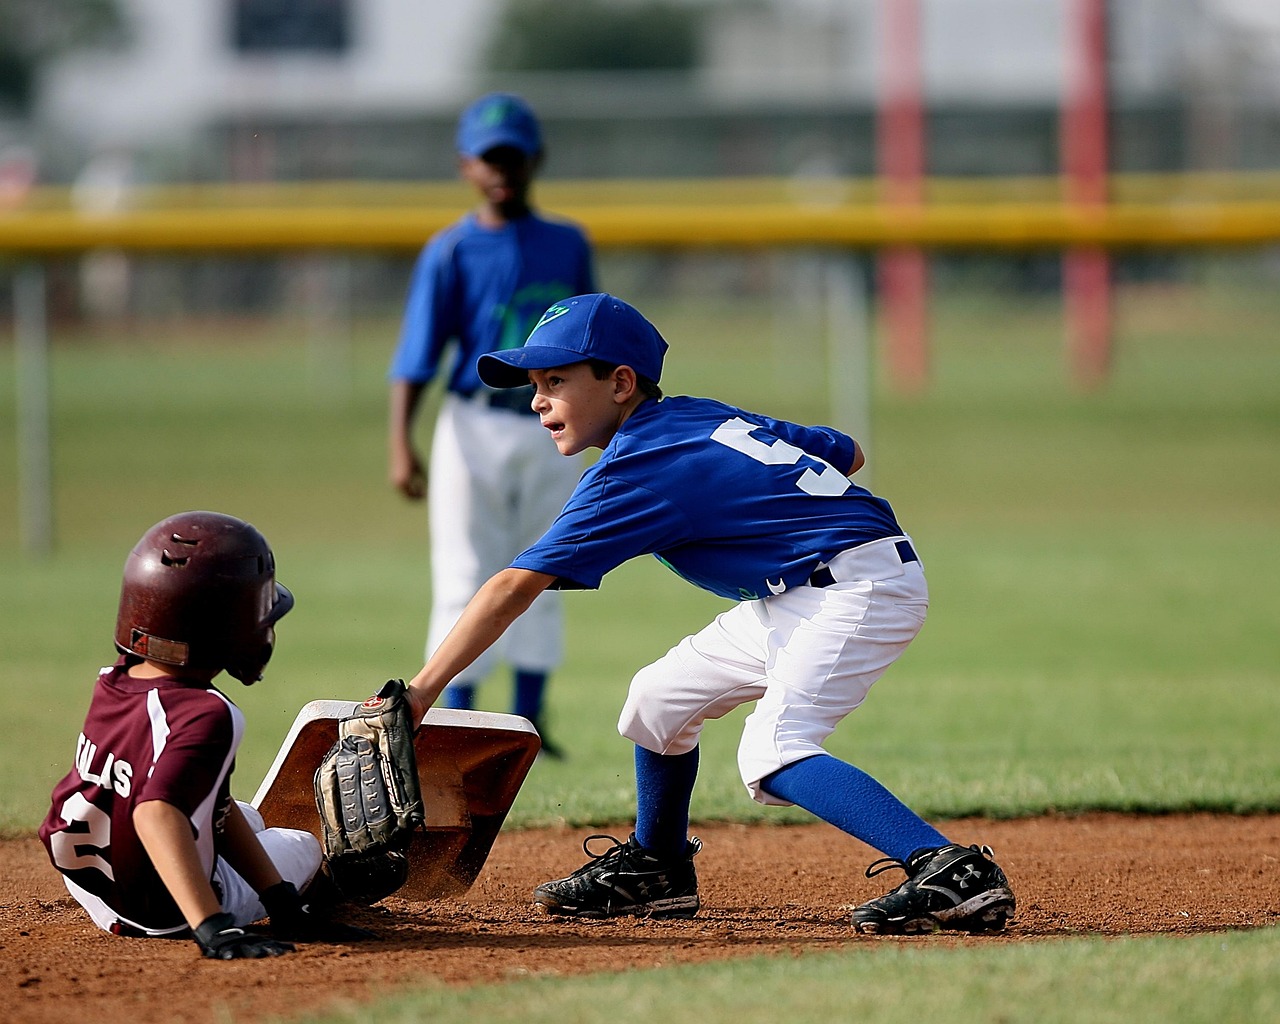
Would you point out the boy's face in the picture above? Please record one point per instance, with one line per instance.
(580, 411)
(502, 176)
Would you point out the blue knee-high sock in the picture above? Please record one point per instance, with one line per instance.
(529, 687)
(854, 802)
(664, 788)
(459, 696)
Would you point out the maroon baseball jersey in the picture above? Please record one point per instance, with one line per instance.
(143, 739)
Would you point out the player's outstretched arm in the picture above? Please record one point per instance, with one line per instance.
(496, 605)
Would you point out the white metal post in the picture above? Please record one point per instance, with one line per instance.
(35, 462)
(849, 351)
(330, 325)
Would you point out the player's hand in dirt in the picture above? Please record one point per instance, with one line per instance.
(294, 918)
(220, 939)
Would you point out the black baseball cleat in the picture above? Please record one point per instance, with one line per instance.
(957, 887)
(625, 880)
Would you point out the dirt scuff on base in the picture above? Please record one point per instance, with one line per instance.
(765, 890)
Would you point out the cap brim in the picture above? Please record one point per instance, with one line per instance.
(479, 147)
(510, 369)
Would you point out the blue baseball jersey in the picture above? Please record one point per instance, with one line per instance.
(736, 503)
(484, 288)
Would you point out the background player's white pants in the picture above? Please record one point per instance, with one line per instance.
(807, 656)
(295, 853)
(496, 483)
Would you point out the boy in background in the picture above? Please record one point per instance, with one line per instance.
(495, 484)
(143, 828)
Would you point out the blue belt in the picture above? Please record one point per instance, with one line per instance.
(822, 577)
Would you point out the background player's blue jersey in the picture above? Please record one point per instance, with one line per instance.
(737, 503)
(485, 288)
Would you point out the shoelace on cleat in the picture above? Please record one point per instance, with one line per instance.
(884, 864)
(615, 852)
(619, 850)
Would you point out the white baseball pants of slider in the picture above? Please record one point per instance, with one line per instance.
(295, 853)
(807, 657)
(496, 482)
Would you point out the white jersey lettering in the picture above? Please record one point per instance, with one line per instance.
(114, 773)
(736, 434)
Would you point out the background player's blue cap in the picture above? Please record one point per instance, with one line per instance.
(498, 119)
(584, 327)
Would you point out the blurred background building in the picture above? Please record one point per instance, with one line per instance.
(313, 89)
(106, 95)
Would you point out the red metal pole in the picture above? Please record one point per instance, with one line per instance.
(1086, 273)
(900, 134)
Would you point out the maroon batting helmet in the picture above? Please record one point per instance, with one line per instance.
(200, 592)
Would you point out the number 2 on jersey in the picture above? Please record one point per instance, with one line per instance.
(90, 832)
(736, 434)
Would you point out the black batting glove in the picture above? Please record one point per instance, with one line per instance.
(220, 939)
(294, 918)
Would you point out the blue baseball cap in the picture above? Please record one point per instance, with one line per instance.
(498, 119)
(597, 326)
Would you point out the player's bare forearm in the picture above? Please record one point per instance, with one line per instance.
(165, 833)
(240, 847)
(496, 605)
(404, 467)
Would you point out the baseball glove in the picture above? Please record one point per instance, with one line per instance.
(369, 799)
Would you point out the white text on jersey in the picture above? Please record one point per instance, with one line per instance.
(114, 774)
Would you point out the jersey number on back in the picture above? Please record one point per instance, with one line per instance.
(80, 845)
(736, 434)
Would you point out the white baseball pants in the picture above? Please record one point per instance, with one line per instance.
(807, 657)
(496, 483)
(295, 853)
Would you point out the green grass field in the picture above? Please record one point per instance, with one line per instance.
(1103, 566)
(1206, 980)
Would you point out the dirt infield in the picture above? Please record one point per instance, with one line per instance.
(765, 890)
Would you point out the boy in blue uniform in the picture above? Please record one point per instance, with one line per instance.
(479, 285)
(830, 591)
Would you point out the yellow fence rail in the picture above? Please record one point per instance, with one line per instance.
(1010, 213)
